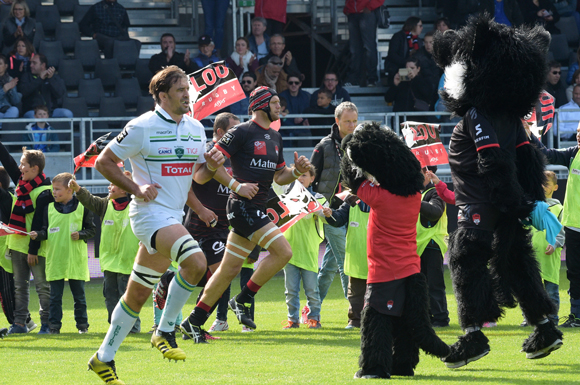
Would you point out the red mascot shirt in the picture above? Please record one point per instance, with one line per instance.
(392, 234)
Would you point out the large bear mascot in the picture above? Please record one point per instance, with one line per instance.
(382, 171)
(494, 76)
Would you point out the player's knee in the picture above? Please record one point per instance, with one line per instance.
(193, 268)
(183, 248)
(144, 280)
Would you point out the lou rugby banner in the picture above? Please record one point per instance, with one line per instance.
(286, 209)
(424, 141)
(541, 118)
(212, 88)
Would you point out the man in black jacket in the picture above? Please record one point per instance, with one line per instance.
(168, 56)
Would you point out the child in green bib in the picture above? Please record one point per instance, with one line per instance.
(66, 224)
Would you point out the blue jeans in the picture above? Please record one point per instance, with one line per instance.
(22, 272)
(114, 286)
(11, 113)
(57, 113)
(554, 293)
(77, 289)
(362, 29)
(214, 12)
(292, 275)
(333, 259)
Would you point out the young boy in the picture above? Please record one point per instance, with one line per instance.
(32, 194)
(323, 107)
(118, 246)
(40, 132)
(66, 222)
(547, 255)
(304, 237)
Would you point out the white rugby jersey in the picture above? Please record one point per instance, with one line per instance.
(162, 151)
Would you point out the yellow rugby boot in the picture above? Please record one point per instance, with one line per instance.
(105, 370)
(165, 342)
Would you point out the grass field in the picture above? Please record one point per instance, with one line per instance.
(271, 355)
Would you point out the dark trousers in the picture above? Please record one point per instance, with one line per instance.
(573, 261)
(356, 299)
(362, 28)
(432, 267)
(114, 286)
(77, 289)
(7, 294)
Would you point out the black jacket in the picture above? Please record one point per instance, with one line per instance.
(36, 91)
(158, 61)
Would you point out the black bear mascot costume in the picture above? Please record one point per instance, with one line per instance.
(494, 76)
(382, 171)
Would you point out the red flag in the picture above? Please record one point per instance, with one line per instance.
(88, 158)
(7, 230)
(286, 209)
(541, 118)
(424, 141)
(212, 88)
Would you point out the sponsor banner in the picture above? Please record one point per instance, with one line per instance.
(424, 141)
(212, 88)
(286, 209)
(541, 118)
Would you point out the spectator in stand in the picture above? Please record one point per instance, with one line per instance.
(442, 24)
(214, 14)
(272, 75)
(570, 88)
(40, 132)
(541, 12)
(242, 60)
(458, 11)
(330, 83)
(405, 92)
(566, 7)
(41, 86)
(504, 11)
(169, 56)
(107, 21)
(569, 116)
(362, 30)
(298, 100)
(9, 98)
(249, 83)
(554, 86)
(323, 107)
(274, 12)
(428, 66)
(403, 44)
(19, 60)
(259, 39)
(277, 46)
(572, 69)
(207, 53)
(19, 24)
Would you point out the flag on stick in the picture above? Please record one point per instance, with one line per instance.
(424, 141)
(7, 230)
(88, 158)
(286, 209)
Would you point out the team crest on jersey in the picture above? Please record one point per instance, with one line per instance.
(179, 151)
(164, 151)
(227, 139)
(390, 304)
(476, 219)
(276, 148)
(260, 148)
(267, 136)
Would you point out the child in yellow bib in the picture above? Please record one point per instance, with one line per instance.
(66, 224)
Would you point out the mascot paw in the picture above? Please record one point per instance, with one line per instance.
(544, 340)
(402, 370)
(361, 375)
(470, 347)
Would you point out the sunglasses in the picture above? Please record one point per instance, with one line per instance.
(293, 83)
(556, 72)
(247, 81)
(278, 64)
(330, 80)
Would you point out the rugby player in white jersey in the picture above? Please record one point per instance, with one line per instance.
(165, 148)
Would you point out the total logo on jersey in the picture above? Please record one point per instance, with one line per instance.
(176, 169)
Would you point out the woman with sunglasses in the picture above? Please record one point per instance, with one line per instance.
(19, 24)
(242, 60)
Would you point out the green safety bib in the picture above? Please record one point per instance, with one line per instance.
(20, 242)
(119, 245)
(436, 233)
(571, 216)
(355, 256)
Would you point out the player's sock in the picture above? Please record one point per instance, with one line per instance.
(200, 314)
(248, 292)
(177, 296)
(122, 320)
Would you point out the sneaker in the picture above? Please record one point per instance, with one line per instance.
(571, 322)
(314, 324)
(242, 312)
(3, 332)
(489, 324)
(193, 332)
(83, 331)
(470, 347)
(153, 328)
(160, 296)
(290, 325)
(544, 340)
(524, 323)
(349, 326)
(219, 326)
(305, 311)
(54, 331)
(105, 370)
(31, 325)
(44, 329)
(165, 342)
(17, 329)
(246, 329)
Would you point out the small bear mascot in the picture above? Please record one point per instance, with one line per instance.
(381, 170)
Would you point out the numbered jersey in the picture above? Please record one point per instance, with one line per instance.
(162, 151)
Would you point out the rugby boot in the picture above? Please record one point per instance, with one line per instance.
(105, 370)
(242, 312)
(165, 342)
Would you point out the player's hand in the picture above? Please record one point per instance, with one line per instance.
(75, 236)
(148, 192)
(248, 190)
(550, 250)
(208, 217)
(301, 163)
(214, 158)
(327, 211)
(74, 185)
(33, 235)
(431, 175)
(32, 260)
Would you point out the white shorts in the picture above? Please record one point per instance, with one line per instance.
(146, 220)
